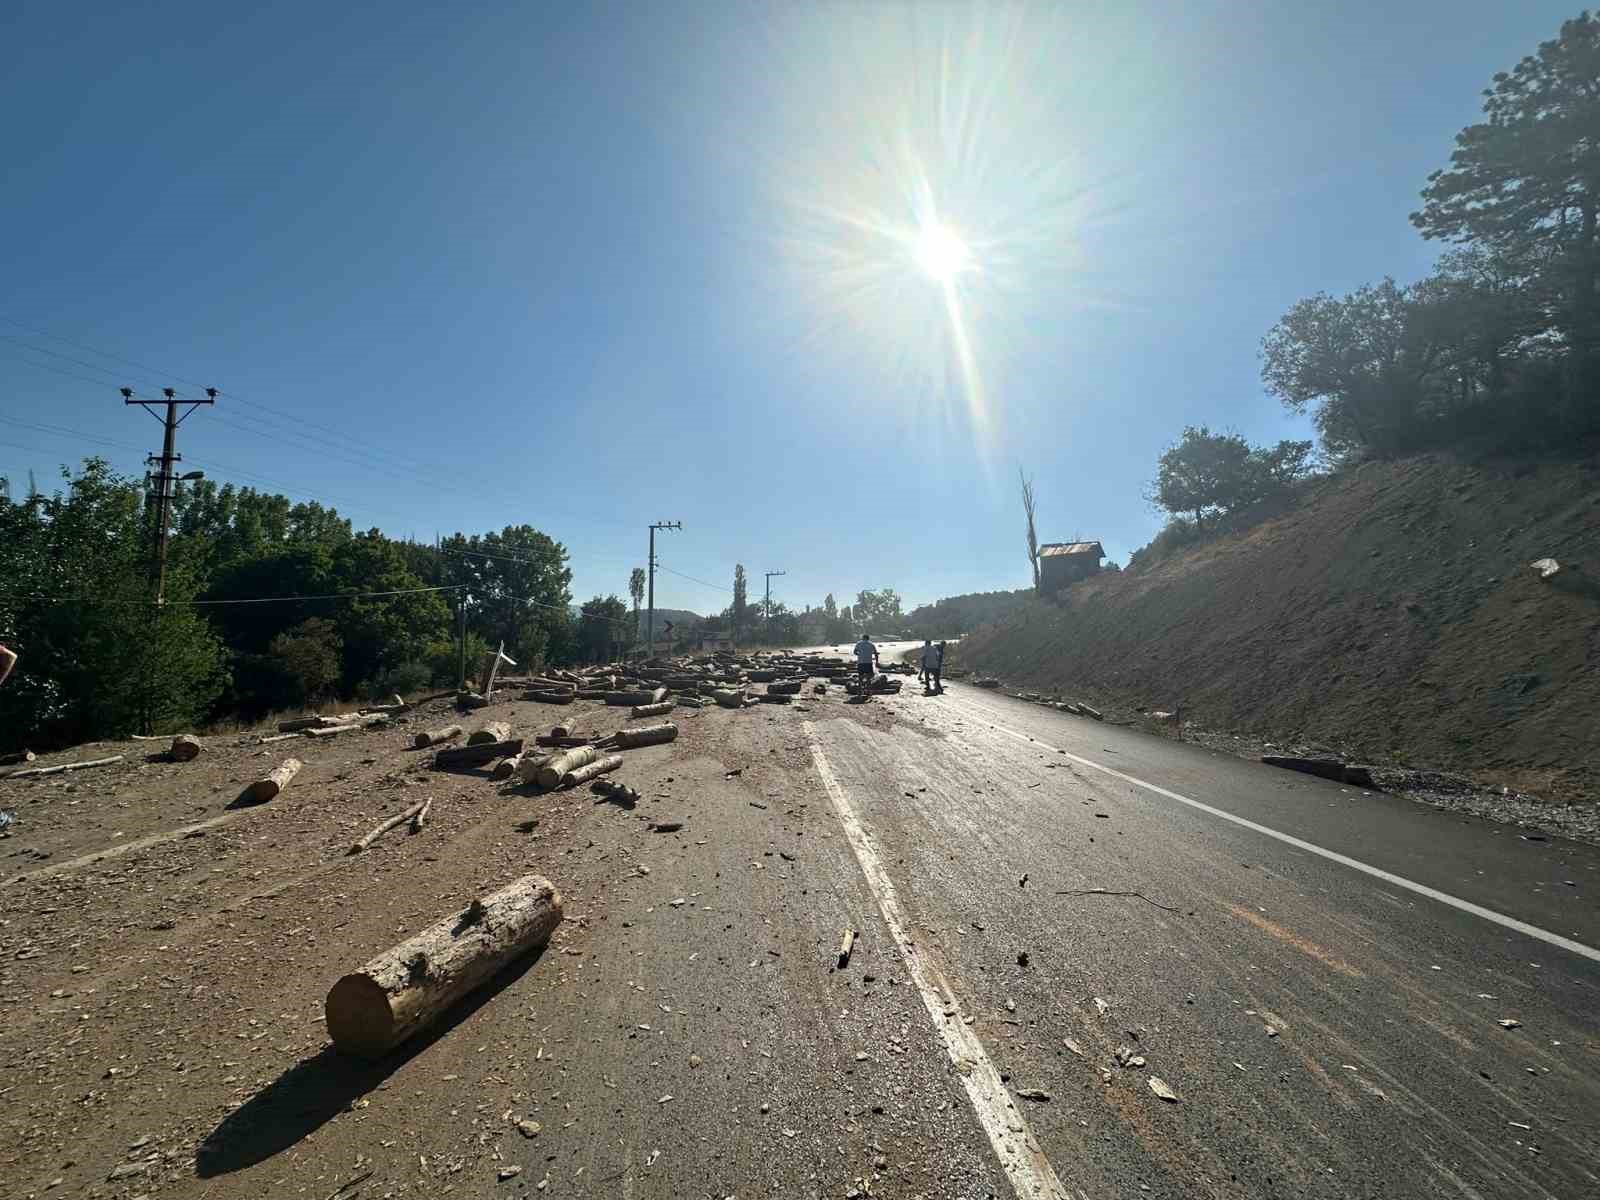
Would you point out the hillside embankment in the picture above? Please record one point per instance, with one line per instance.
(1391, 615)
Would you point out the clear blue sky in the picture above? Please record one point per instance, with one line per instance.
(585, 266)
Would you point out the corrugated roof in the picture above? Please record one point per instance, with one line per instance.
(1051, 549)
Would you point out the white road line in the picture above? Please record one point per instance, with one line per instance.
(1421, 889)
(1020, 1157)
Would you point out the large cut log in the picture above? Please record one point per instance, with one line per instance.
(59, 768)
(729, 697)
(591, 770)
(506, 767)
(651, 710)
(645, 735)
(273, 782)
(406, 988)
(549, 775)
(494, 731)
(527, 768)
(550, 697)
(433, 737)
(185, 748)
(456, 757)
(630, 699)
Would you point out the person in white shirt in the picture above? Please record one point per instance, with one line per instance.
(866, 659)
(930, 660)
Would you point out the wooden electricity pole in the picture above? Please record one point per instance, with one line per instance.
(166, 477)
(650, 621)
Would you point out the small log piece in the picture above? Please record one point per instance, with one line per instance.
(273, 782)
(453, 758)
(433, 737)
(645, 735)
(591, 770)
(494, 731)
(406, 988)
(549, 775)
(185, 748)
(651, 710)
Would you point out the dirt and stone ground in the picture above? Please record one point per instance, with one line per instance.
(688, 1032)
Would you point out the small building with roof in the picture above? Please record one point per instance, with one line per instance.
(1064, 563)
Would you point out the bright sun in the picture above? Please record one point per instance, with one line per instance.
(940, 252)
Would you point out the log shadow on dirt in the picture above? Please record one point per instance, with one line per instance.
(315, 1090)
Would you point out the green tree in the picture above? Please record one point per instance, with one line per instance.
(602, 627)
(1206, 474)
(519, 586)
(311, 657)
(1525, 181)
(636, 584)
(739, 610)
(879, 611)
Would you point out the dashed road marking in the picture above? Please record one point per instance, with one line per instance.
(1024, 1163)
(1421, 889)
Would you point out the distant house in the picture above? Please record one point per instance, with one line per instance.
(1064, 563)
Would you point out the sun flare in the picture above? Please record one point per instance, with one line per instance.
(940, 252)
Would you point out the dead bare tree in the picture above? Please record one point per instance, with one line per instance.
(1033, 535)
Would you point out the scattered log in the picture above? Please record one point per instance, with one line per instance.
(632, 699)
(494, 731)
(567, 728)
(1325, 768)
(729, 697)
(273, 782)
(528, 768)
(59, 768)
(775, 698)
(416, 814)
(621, 793)
(591, 770)
(19, 756)
(406, 988)
(453, 758)
(846, 945)
(433, 737)
(276, 737)
(651, 710)
(550, 774)
(787, 688)
(562, 742)
(397, 705)
(329, 730)
(550, 697)
(506, 767)
(1085, 711)
(185, 748)
(645, 735)
(301, 723)
(689, 702)
(470, 700)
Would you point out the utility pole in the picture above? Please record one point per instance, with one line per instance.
(165, 478)
(650, 621)
(766, 618)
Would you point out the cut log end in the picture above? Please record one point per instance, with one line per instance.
(360, 1021)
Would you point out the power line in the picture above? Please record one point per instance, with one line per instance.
(692, 579)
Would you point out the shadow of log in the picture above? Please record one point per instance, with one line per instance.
(315, 1090)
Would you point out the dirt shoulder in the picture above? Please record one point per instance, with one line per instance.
(164, 959)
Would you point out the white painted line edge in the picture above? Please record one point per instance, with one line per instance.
(1355, 864)
(1030, 1173)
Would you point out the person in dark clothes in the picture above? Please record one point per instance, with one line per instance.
(936, 679)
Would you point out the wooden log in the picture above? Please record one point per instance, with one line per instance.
(550, 774)
(506, 767)
(565, 729)
(651, 710)
(273, 782)
(433, 737)
(775, 698)
(185, 748)
(729, 697)
(59, 768)
(456, 757)
(550, 697)
(416, 811)
(21, 756)
(591, 770)
(494, 731)
(645, 735)
(846, 944)
(689, 702)
(406, 988)
(299, 724)
(277, 737)
(789, 688)
(471, 700)
(563, 743)
(631, 699)
(528, 768)
(327, 731)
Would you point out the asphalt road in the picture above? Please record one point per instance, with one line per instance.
(1317, 977)
(1328, 1029)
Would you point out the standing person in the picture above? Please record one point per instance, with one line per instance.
(866, 662)
(938, 668)
(930, 658)
(8, 659)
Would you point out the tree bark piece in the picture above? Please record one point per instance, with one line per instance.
(549, 775)
(651, 710)
(592, 770)
(433, 737)
(406, 988)
(645, 735)
(416, 814)
(456, 757)
(60, 768)
(494, 731)
(273, 782)
(185, 748)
